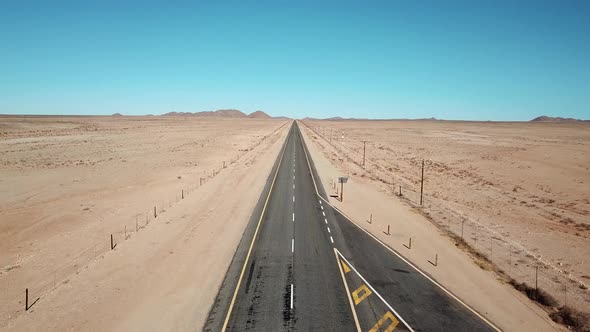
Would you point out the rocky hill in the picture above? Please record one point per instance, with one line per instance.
(259, 115)
(224, 113)
(544, 118)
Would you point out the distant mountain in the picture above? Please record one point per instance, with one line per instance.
(259, 115)
(117, 114)
(225, 113)
(228, 113)
(281, 118)
(544, 118)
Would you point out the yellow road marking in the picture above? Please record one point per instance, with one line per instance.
(344, 266)
(398, 255)
(233, 300)
(366, 292)
(356, 320)
(385, 318)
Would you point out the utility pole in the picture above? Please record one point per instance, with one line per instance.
(422, 183)
(364, 152)
(536, 281)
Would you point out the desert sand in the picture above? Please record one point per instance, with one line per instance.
(68, 183)
(517, 191)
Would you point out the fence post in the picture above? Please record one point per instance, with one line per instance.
(536, 281)
(182, 194)
(422, 182)
(155, 214)
(462, 224)
(26, 299)
(112, 247)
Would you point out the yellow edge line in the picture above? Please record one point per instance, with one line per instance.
(398, 255)
(233, 300)
(356, 320)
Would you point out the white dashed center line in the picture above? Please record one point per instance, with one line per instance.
(292, 245)
(291, 296)
(328, 229)
(293, 199)
(322, 207)
(324, 213)
(293, 216)
(331, 239)
(326, 221)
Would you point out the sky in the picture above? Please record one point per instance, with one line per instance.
(467, 60)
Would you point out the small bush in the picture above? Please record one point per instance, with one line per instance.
(578, 321)
(537, 295)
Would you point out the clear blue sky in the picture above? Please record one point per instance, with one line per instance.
(481, 60)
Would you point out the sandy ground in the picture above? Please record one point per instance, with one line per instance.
(68, 183)
(367, 193)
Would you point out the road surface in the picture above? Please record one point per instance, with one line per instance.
(301, 265)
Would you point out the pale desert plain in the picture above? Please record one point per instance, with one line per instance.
(518, 193)
(68, 183)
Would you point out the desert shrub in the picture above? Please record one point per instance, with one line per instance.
(576, 320)
(537, 295)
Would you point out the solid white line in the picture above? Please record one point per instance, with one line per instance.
(292, 245)
(331, 239)
(324, 213)
(374, 291)
(394, 252)
(291, 296)
(328, 229)
(417, 269)
(356, 320)
(326, 221)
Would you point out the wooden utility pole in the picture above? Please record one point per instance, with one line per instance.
(364, 152)
(536, 281)
(422, 183)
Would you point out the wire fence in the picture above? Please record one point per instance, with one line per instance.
(14, 298)
(490, 249)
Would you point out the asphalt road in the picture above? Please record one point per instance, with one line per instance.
(302, 265)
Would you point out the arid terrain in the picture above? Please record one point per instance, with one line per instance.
(68, 183)
(517, 192)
